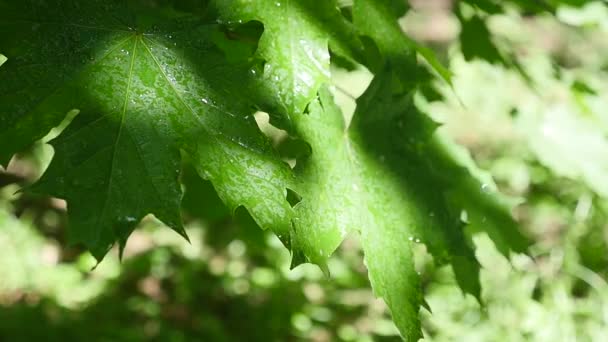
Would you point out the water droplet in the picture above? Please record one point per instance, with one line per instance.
(411, 238)
(278, 4)
(464, 216)
(205, 101)
(417, 240)
(485, 188)
(130, 219)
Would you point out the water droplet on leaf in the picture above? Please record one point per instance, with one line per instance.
(485, 188)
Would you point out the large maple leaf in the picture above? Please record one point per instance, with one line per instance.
(145, 89)
(387, 177)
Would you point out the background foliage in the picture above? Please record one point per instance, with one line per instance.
(527, 101)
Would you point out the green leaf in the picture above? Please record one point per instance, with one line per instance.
(389, 177)
(293, 46)
(369, 179)
(472, 190)
(475, 41)
(344, 190)
(401, 139)
(144, 91)
(377, 19)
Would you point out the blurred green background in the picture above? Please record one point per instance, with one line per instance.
(534, 116)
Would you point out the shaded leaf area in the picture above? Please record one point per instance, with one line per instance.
(293, 47)
(478, 43)
(143, 98)
(389, 179)
(377, 21)
(476, 40)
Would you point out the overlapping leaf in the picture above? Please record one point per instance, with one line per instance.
(356, 193)
(377, 19)
(142, 95)
(293, 47)
(369, 179)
